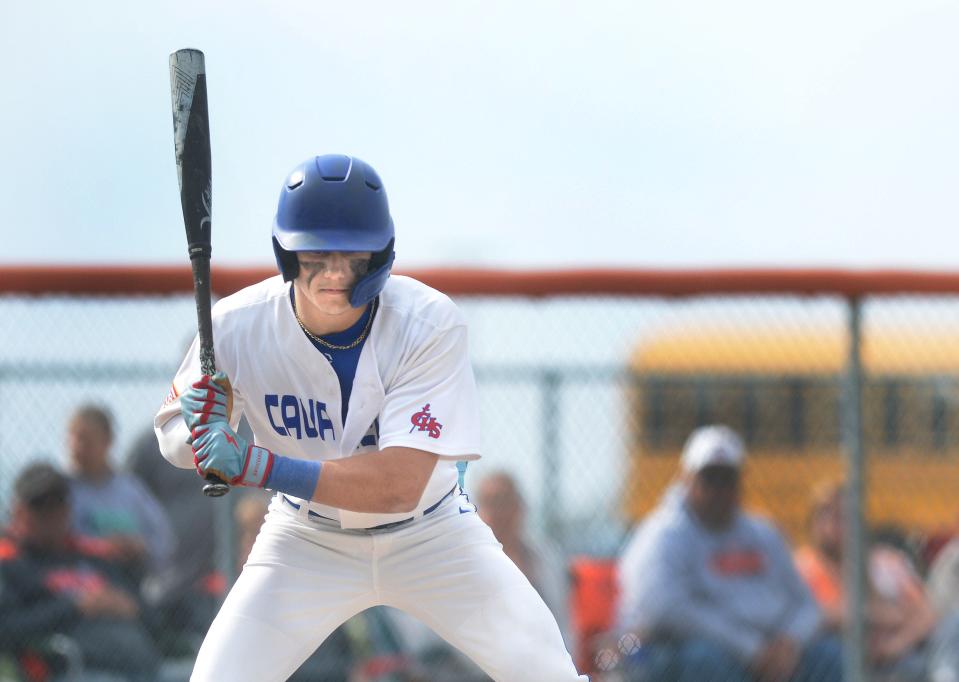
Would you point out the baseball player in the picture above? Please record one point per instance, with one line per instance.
(361, 399)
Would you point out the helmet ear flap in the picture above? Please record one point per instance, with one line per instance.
(379, 258)
(286, 262)
(372, 284)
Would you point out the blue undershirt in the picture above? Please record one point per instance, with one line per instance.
(299, 477)
(344, 362)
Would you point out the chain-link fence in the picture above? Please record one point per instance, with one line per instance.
(590, 384)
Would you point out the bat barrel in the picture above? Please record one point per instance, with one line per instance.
(200, 250)
(191, 139)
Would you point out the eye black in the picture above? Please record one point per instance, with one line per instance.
(360, 267)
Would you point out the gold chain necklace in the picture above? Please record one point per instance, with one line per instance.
(332, 346)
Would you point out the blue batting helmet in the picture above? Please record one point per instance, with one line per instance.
(335, 203)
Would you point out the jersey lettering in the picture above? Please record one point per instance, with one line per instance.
(298, 418)
(310, 429)
(372, 436)
(271, 402)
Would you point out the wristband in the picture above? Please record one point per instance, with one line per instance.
(296, 477)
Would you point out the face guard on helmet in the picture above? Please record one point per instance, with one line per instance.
(335, 203)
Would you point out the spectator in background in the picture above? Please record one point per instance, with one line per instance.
(184, 591)
(907, 640)
(942, 587)
(943, 581)
(710, 591)
(112, 506)
(51, 585)
(500, 505)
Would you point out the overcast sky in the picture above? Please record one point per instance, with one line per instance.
(508, 133)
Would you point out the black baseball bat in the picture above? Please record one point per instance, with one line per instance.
(191, 137)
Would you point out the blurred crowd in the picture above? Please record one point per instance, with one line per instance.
(708, 591)
(113, 574)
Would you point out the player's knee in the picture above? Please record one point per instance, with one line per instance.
(534, 658)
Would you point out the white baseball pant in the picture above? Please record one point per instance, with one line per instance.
(304, 578)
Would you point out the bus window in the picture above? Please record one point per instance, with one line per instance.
(784, 397)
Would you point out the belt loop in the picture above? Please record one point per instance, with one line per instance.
(300, 510)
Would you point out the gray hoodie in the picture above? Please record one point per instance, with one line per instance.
(737, 587)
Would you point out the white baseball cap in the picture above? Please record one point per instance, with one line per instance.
(714, 445)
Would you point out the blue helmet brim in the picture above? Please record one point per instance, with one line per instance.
(331, 239)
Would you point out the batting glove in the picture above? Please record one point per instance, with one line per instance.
(218, 450)
(208, 400)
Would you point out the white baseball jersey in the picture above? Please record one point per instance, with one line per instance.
(306, 574)
(413, 386)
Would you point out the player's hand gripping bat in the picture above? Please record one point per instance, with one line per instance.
(191, 137)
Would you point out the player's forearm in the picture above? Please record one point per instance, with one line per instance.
(384, 482)
(389, 481)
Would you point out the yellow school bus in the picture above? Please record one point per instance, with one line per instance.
(781, 392)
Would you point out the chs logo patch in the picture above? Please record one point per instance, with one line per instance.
(424, 421)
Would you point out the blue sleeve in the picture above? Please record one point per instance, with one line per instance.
(657, 596)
